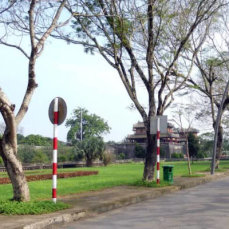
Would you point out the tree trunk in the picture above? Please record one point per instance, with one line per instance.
(219, 146)
(15, 172)
(150, 160)
(89, 162)
(187, 151)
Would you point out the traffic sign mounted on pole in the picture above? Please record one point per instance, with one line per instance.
(162, 124)
(158, 125)
(62, 110)
(57, 115)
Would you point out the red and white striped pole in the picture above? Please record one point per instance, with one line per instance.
(55, 148)
(158, 150)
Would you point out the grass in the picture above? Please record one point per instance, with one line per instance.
(30, 208)
(110, 176)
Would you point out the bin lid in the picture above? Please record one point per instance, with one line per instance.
(168, 166)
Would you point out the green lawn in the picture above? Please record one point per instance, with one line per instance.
(110, 176)
(113, 175)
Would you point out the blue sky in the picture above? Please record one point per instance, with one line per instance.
(81, 79)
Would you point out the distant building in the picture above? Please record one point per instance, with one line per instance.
(172, 142)
(173, 135)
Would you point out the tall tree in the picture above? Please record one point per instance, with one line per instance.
(92, 125)
(211, 81)
(143, 41)
(213, 72)
(24, 20)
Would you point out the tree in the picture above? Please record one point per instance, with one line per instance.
(92, 125)
(184, 114)
(36, 140)
(144, 42)
(91, 148)
(212, 79)
(193, 145)
(213, 73)
(22, 22)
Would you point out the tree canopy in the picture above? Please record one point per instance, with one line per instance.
(144, 41)
(92, 125)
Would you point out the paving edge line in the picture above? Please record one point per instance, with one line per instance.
(122, 202)
(62, 218)
(76, 215)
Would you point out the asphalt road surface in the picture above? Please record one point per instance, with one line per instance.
(205, 206)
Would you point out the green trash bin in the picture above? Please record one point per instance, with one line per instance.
(168, 173)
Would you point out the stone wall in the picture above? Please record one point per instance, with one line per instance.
(128, 149)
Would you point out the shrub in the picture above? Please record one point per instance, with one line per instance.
(139, 151)
(121, 156)
(91, 148)
(177, 155)
(201, 155)
(40, 157)
(107, 158)
(62, 158)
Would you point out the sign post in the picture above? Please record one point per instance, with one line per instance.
(158, 150)
(57, 114)
(158, 126)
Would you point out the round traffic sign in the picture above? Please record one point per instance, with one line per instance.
(62, 110)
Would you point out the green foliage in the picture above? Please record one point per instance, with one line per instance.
(193, 145)
(26, 153)
(177, 155)
(62, 158)
(91, 148)
(34, 154)
(36, 140)
(139, 151)
(201, 155)
(121, 156)
(214, 62)
(77, 154)
(93, 125)
(1, 161)
(30, 208)
(110, 176)
(40, 157)
(30, 154)
(20, 138)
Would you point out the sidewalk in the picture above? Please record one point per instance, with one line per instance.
(91, 203)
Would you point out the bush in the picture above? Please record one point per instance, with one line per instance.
(40, 157)
(201, 155)
(139, 151)
(177, 155)
(76, 155)
(91, 148)
(62, 158)
(121, 156)
(107, 158)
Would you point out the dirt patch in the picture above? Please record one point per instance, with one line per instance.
(6, 180)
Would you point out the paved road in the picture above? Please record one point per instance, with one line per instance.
(205, 206)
